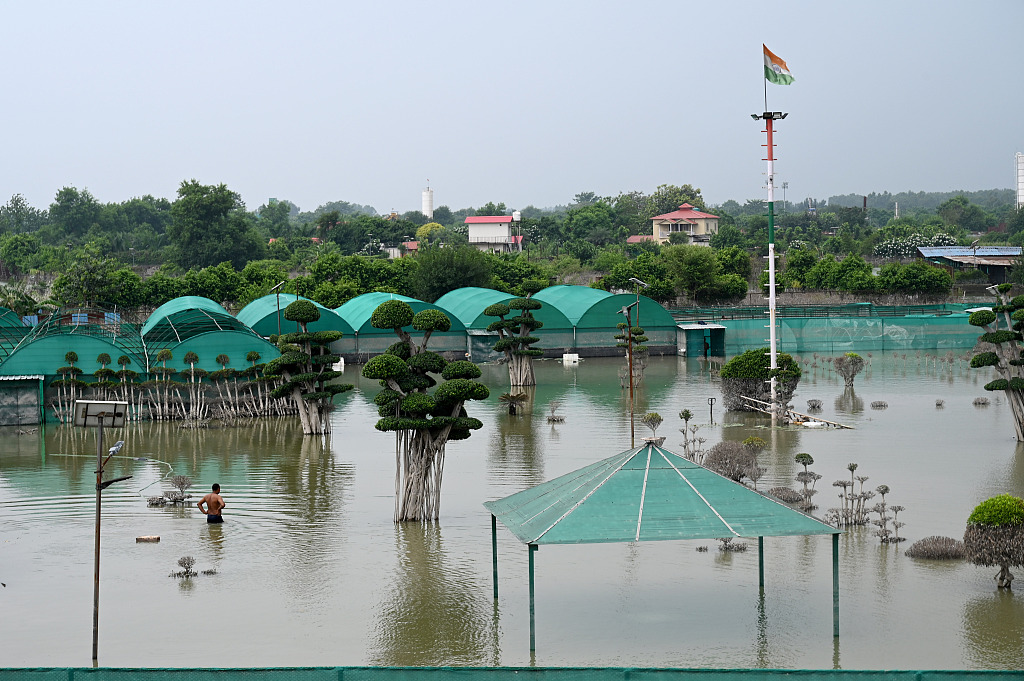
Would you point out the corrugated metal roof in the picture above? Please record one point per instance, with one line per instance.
(960, 251)
(646, 494)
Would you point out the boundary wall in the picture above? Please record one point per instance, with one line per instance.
(491, 674)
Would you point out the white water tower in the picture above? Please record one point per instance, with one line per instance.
(428, 202)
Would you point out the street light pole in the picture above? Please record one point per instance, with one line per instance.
(629, 353)
(98, 413)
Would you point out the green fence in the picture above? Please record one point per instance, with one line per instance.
(489, 674)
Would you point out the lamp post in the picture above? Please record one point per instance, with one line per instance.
(277, 292)
(638, 284)
(629, 354)
(769, 117)
(100, 413)
(974, 248)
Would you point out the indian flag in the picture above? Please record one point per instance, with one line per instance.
(775, 69)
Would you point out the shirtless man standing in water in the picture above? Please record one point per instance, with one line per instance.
(214, 504)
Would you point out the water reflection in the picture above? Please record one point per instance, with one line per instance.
(439, 612)
(994, 630)
(848, 402)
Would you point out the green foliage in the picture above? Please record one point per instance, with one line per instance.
(997, 337)
(385, 366)
(460, 369)
(804, 459)
(445, 269)
(757, 364)
(1001, 510)
(496, 310)
(392, 314)
(998, 384)
(302, 311)
(431, 319)
(210, 226)
(984, 359)
(981, 318)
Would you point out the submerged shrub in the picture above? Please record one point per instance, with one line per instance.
(936, 548)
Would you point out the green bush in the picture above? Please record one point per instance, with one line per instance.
(1004, 509)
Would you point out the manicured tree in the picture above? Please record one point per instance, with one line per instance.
(196, 407)
(219, 378)
(652, 420)
(639, 363)
(306, 368)
(848, 366)
(514, 339)
(423, 422)
(103, 375)
(68, 384)
(748, 375)
(163, 397)
(1006, 357)
(127, 377)
(995, 536)
(259, 399)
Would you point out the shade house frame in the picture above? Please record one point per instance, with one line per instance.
(648, 493)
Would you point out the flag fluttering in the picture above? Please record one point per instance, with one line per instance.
(775, 69)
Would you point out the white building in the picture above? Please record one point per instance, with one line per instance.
(495, 233)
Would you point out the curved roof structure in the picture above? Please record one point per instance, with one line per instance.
(84, 331)
(261, 316)
(469, 303)
(182, 318)
(573, 301)
(357, 312)
(608, 312)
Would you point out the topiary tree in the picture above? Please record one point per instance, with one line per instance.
(514, 339)
(748, 375)
(1003, 325)
(848, 366)
(306, 369)
(423, 422)
(995, 535)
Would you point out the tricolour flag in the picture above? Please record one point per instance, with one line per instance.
(775, 69)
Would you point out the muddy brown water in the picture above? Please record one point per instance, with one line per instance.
(311, 570)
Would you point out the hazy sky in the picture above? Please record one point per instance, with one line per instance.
(522, 102)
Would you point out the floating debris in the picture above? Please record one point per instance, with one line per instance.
(981, 402)
(879, 404)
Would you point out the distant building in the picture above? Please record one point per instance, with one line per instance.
(494, 233)
(995, 261)
(696, 225)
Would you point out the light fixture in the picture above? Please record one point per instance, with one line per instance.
(639, 283)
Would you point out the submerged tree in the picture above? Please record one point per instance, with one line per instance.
(748, 375)
(306, 366)
(995, 536)
(1006, 357)
(514, 339)
(848, 366)
(423, 422)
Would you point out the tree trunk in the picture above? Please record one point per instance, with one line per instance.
(520, 371)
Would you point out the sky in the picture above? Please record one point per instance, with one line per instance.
(526, 103)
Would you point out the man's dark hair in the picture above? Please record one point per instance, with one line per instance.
(216, 487)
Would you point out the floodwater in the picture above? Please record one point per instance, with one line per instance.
(312, 571)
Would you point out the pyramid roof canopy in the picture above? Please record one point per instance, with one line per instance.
(646, 494)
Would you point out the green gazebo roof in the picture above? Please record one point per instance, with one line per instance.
(646, 494)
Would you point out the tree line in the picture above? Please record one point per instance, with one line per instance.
(145, 251)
